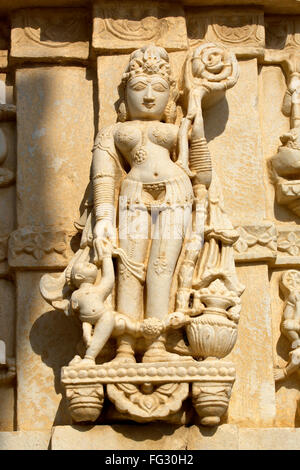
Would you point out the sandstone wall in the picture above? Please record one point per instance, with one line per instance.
(61, 66)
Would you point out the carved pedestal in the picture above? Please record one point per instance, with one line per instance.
(152, 391)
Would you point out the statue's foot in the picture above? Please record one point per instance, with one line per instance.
(279, 374)
(88, 361)
(122, 359)
(157, 355)
(76, 360)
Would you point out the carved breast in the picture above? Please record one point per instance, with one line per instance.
(163, 134)
(129, 136)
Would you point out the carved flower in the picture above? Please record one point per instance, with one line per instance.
(152, 327)
(37, 244)
(160, 265)
(289, 243)
(262, 236)
(209, 60)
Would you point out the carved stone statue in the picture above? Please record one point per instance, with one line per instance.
(286, 163)
(157, 208)
(290, 326)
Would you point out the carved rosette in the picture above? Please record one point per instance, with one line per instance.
(148, 402)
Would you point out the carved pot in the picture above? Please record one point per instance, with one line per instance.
(85, 404)
(210, 402)
(211, 335)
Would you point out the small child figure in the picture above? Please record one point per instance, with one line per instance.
(291, 329)
(88, 301)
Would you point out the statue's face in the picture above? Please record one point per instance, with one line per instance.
(147, 97)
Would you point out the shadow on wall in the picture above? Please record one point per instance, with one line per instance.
(215, 119)
(51, 333)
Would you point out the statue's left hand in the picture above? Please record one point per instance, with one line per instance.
(195, 102)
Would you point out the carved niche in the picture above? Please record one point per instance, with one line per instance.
(147, 354)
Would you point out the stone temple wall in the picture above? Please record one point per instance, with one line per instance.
(61, 65)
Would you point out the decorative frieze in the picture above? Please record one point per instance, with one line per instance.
(34, 247)
(288, 245)
(134, 24)
(240, 30)
(256, 242)
(50, 34)
(282, 32)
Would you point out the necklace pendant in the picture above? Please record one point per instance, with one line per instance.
(140, 155)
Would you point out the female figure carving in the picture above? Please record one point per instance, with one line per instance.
(146, 174)
(150, 180)
(156, 193)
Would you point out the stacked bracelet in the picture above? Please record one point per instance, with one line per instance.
(104, 195)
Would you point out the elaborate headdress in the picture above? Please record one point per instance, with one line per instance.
(150, 60)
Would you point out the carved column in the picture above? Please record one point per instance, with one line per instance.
(7, 225)
(54, 93)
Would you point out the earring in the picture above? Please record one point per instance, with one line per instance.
(122, 112)
(170, 112)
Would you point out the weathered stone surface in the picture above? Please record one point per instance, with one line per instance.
(134, 25)
(225, 436)
(232, 129)
(120, 437)
(40, 247)
(25, 440)
(241, 30)
(253, 395)
(50, 34)
(7, 397)
(54, 145)
(269, 439)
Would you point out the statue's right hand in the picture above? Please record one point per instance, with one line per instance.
(103, 231)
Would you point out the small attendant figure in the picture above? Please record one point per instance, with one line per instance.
(88, 300)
